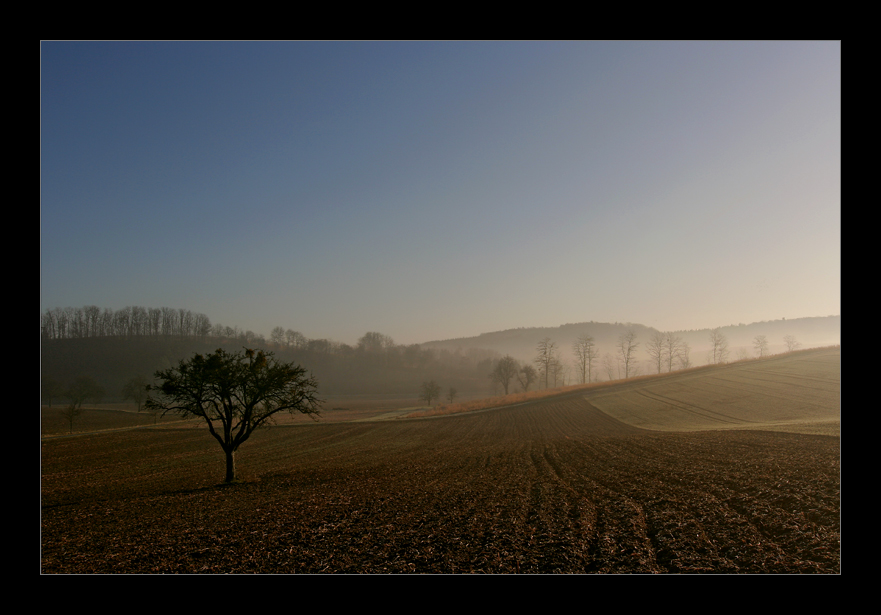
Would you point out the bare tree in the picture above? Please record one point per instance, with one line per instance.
(673, 346)
(430, 390)
(585, 354)
(791, 343)
(138, 321)
(154, 316)
(50, 388)
(547, 353)
(201, 325)
(526, 376)
(451, 394)
(320, 345)
(91, 316)
(374, 342)
(627, 353)
(82, 389)
(655, 347)
(294, 339)
(558, 372)
(70, 413)
(48, 325)
(609, 366)
(718, 347)
(760, 343)
(505, 371)
(376, 345)
(683, 355)
(276, 336)
(136, 390)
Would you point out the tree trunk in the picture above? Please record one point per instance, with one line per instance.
(230, 466)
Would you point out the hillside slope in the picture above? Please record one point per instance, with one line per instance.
(797, 392)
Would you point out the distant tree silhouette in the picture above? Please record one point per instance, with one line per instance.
(547, 354)
(791, 342)
(655, 349)
(294, 339)
(430, 390)
(609, 366)
(526, 376)
(558, 371)
(505, 370)
(760, 343)
(674, 347)
(83, 389)
(683, 353)
(718, 347)
(136, 390)
(128, 322)
(585, 354)
(70, 413)
(377, 345)
(627, 346)
(50, 388)
(277, 336)
(373, 341)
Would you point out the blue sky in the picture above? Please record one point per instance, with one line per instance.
(432, 190)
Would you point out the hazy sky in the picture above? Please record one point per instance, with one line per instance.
(443, 189)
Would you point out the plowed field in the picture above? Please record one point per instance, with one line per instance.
(551, 486)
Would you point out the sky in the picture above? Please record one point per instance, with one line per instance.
(437, 190)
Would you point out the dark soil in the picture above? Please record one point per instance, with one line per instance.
(551, 487)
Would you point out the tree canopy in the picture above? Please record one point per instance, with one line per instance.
(234, 393)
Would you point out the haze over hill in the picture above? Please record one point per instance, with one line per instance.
(113, 347)
(521, 343)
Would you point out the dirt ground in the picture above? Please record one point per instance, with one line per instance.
(551, 487)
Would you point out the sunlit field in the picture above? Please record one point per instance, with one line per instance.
(797, 392)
